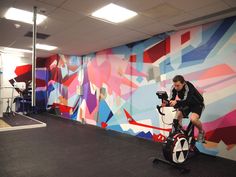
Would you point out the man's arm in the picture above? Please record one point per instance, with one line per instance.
(173, 93)
(187, 96)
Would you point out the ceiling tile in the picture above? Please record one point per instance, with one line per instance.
(208, 20)
(126, 38)
(189, 5)
(231, 3)
(138, 5)
(178, 19)
(52, 26)
(162, 10)
(86, 26)
(4, 5)
(29, 4)
(103, 34)
(137, 22)
(9, 33)
(65, 15)
(23, 42)
(157, 28)
(210, 8)
(53, 2)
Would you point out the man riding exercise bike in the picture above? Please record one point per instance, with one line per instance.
(180, 143)
(184, 94)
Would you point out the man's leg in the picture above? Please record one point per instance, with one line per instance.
(194, 117)
(180, 117)
(197, 123)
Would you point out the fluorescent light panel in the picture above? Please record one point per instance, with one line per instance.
(23, 16)
(114, 13)
(45, 47)
(8, 49)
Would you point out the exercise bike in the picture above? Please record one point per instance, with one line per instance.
(180, 144)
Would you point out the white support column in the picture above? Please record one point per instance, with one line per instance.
(1, 100)
(33, 103)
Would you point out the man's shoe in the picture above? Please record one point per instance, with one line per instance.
(201, 137)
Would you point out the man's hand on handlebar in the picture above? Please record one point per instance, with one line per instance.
(173, 103)
(164, 103)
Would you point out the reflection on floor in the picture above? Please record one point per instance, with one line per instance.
(17, 122)
(3, 124)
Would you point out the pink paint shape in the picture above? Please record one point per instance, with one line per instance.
(206, 82)
(130, 70)
(99, 74)
(72, 88)
(217, 71)
(227, 120)
(221, 85)
(91, 115)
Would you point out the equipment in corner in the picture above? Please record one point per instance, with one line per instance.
(23, 101)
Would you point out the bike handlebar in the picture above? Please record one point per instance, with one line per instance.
(164, 98)
(159, 110)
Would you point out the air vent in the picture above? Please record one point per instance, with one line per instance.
(39, 35)
(206, 17)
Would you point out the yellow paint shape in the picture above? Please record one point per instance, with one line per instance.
(210, 144)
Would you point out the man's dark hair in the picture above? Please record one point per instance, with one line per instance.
(179, 78)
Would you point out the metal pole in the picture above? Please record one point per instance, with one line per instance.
(33, 103)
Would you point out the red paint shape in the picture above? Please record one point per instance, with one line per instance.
(67, 81)
(226, 134)
(158, 138)
(129, 117)
(23, 69)
(72, 67)
(40, 83)
(133, 122)
(104, 124)
(185, 37)
(63, 108)
(51, 59)
(167, 45)
(156, 52)
(132, 58)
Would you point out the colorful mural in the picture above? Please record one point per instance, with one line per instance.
(115, 88)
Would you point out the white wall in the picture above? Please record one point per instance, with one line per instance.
(9, 64)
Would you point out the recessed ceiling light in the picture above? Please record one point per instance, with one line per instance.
(114, 13)
(45, 47)
(8, 49)
(23, 16)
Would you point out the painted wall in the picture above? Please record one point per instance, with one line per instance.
(115, 88)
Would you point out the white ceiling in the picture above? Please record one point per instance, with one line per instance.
(76, 33)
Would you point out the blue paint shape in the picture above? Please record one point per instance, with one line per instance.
(202, 149)
(104, 112)
(109, 117)
(147, 135)
(139, 79)
(165, 66)
(200, 53)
